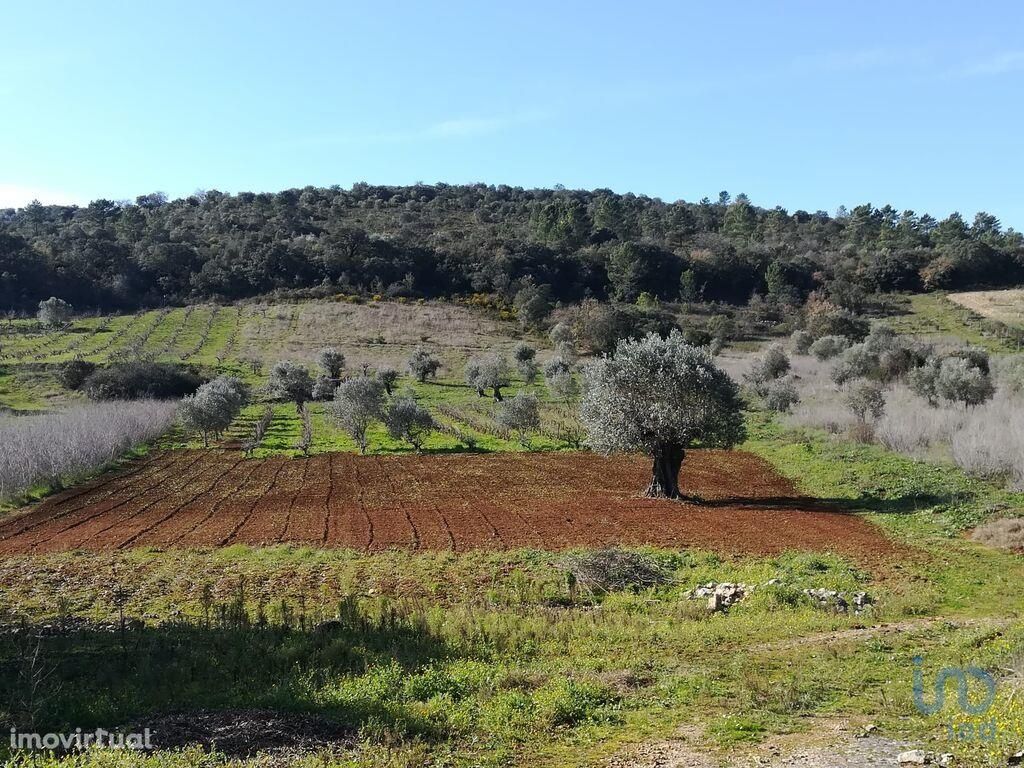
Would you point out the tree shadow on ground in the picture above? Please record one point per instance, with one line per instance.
(901, 505)
(66, 674)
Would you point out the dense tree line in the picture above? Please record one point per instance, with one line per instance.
(532, 246)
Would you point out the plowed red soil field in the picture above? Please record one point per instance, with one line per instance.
(455, 502)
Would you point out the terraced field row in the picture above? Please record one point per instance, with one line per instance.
(200, 334)
(454, 502)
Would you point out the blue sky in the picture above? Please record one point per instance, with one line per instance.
(803, 104)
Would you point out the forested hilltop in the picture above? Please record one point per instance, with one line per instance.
(435, 241)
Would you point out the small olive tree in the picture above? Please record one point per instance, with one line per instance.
(661, 397)
(323, 388)
(291, 381)
(525, 358)
(961, 376)
(521, 414)
(357, 404)
(491, 372)
(407, 420)
(564, 386)
(213, 406)
(960, 381)
(331, 362)
(866, 400)
(54, 312)
(388, 378)
(423, 365)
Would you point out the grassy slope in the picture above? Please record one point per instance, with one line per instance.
(486, 658)
(932, 315)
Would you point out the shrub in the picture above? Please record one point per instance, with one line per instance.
(857, 362)
(141, 380)
(828, 347)
(565, 701)
(866, 399)
(523, 352)
(771, 365)
(388, 378)
(722, 327)
(781, 395)
(72, 374)
(1010, 375)
(837, 322)
(800, 342)
(407, 420)
(1004, 533)
(560, 333)
(557, 366)
(698, 337)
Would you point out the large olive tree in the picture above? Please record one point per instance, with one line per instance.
(660, 397)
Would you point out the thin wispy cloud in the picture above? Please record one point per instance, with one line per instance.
(997, 64)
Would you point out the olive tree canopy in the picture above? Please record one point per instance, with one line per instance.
(54, 312)
(660, 397)
(357, 404)
(423, 365)
(290, 381)
(331, 361)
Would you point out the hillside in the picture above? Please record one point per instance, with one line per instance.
(531, 246)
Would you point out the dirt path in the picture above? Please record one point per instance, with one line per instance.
(827, 743)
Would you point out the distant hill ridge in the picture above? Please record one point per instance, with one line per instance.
(442, 240)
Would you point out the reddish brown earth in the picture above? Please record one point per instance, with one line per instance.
(456, 502)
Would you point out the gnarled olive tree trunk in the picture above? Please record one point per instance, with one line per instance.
(668, 458)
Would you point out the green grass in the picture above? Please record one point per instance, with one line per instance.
(932, 315)
(474, 418)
